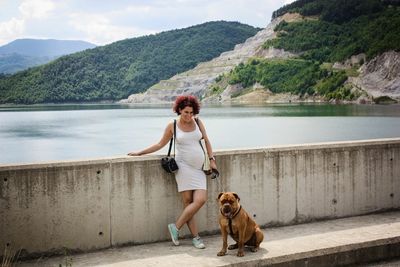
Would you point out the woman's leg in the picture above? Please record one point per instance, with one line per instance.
(192, 202)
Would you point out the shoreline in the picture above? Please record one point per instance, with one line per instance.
(252, 98)
(225, 103)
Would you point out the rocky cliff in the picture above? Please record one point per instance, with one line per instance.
(380, 76)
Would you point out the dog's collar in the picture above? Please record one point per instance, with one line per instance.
(234, 215)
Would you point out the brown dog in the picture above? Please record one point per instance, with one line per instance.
(235, 221)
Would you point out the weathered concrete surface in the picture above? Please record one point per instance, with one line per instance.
(329, 243)
(47, 207)
(88, 205)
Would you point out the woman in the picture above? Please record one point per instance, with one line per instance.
(190, 178)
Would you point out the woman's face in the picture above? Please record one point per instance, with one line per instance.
(186, 114)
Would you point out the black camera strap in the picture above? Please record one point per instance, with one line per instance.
(172, 141)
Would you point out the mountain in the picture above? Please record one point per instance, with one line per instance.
(44, 48)
(25, 53)
(12, 63)
(198, 80)
(117, 70)
(313, 50)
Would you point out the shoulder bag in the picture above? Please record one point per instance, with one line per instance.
(168, 163)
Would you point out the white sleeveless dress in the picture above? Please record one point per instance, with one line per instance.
(190, 159)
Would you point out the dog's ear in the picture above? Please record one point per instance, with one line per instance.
(236, 196)
(220, 194)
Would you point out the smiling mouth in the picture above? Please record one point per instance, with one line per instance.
(227, 214)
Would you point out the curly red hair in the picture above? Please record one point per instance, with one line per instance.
(184, 101)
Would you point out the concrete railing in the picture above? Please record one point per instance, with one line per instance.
(88, 205)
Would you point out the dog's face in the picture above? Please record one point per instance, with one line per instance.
(228, 203)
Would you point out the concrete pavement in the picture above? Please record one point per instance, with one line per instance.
(326, 243)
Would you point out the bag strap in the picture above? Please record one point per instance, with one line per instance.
(172, 140)
(174, 136)
(197, 121)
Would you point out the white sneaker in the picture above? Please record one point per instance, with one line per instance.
(198, 243)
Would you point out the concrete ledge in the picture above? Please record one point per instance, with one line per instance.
(338, 242)
(278, 148)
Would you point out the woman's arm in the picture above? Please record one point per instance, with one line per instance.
(168, 133)
(208, 145)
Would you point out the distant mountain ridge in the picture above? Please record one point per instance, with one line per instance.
(25, 53)
(12, 63)
(44, 47)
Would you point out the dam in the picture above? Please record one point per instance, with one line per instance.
(90, 205)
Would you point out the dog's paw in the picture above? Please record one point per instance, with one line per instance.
(221, 253)
(254, 249)
(240, 254)
(235, 246)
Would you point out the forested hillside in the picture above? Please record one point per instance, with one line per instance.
(117, 70)
(332, 32)
(12, 63)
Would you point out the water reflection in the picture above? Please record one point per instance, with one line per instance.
(60, 132)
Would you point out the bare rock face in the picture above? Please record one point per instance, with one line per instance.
(380, 76)
(197, 80)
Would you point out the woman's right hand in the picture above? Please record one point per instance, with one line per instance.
(153, 148)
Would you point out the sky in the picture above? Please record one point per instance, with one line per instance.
(103, 21)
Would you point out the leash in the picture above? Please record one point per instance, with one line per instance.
(230, 219)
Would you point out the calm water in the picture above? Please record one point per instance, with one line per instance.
(71, 132)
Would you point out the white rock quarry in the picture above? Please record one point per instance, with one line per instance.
(197, 80)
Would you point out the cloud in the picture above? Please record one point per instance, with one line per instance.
(99, 29)
(102, 21)
(37, 9)
(11, 29)
(139, 18)
(28, 10)
(285, 2)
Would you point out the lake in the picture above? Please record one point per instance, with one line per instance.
(30, 134)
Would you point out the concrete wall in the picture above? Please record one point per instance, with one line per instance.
(89, 205)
